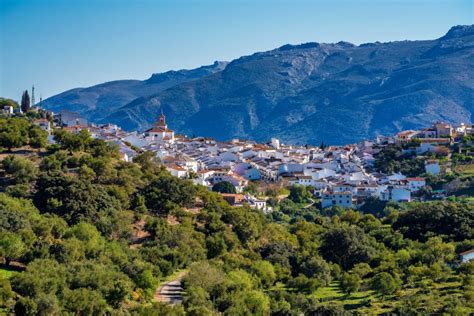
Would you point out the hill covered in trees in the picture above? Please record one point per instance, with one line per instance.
(84, 233)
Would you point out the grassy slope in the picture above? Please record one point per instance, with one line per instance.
(6, 272)
(369, 302)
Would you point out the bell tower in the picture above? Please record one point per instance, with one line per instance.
(162, 119)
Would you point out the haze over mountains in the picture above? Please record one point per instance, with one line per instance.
(337, 93)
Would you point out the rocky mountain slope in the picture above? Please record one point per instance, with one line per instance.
(97, 102)
(336, 93)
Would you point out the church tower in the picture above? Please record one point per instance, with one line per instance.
(162, 120)
(160, 133)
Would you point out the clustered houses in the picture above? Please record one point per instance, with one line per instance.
(340, 175)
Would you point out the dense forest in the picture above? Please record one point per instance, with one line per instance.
(84, 233)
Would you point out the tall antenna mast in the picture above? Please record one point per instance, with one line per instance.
(33, 96)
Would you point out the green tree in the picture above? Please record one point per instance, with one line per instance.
(85, 302)
(8, 102)
(215, 245)
(304, 284)
(317, 267)
(26, 306)
(265, 271)
(38, 138)
(347, 246)
(196, 297)
(13, 132)
(12, 246)
(454, 221)
(224, 187)
(6, 292)
(25, 101)
(203, 275)
(41, 276)
(246, 223)
(350, 282)
(21, 169)
(299, 194)
(168, 192)
(384, 283)
(72, 142)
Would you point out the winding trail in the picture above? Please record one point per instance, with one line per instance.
(171, 292)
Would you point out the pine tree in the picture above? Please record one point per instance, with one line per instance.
(25, 101)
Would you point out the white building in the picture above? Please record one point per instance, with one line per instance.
(257, 204)
(7, 110)
(69, 118)
(176, 170)
(342, 199)
(467, 255)
(432, 167)
(396, 194)
(415, 184)
(302, 180)
(160, 133)
(44, 124)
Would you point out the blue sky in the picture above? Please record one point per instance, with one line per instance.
(62, 44)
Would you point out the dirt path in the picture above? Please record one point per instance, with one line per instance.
(139, 235)
(310, 204)
(171, 292)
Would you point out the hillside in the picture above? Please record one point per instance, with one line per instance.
(336, 93)
(96, 102)
(84, 233)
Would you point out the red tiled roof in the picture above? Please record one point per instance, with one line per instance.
(159, 129)
(466, 252)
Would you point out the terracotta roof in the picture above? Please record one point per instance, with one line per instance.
(159, 129)
(466, 252)
(406, 133)
(175, 167)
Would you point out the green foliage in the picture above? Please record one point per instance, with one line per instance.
(13, 133)
(347, 246)
(224, 187)
(317, 267)
(25, 101)
(452, 221)
(247, 224)
(38, 138)
(97, 236)
(167, 193)
(22, 170)
(75, 199)
(11, 246)
(17, 132)
(391, 159)
(265, 271)
(72, 142)
(299, 194)
(384, 283)
(8, 102)
(84, 301)
(350, 282)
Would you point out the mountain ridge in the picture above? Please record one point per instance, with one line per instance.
(312, 92)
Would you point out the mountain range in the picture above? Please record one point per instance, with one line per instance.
(310, 93)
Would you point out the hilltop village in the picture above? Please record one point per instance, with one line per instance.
(309, 229)
(344, 176)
